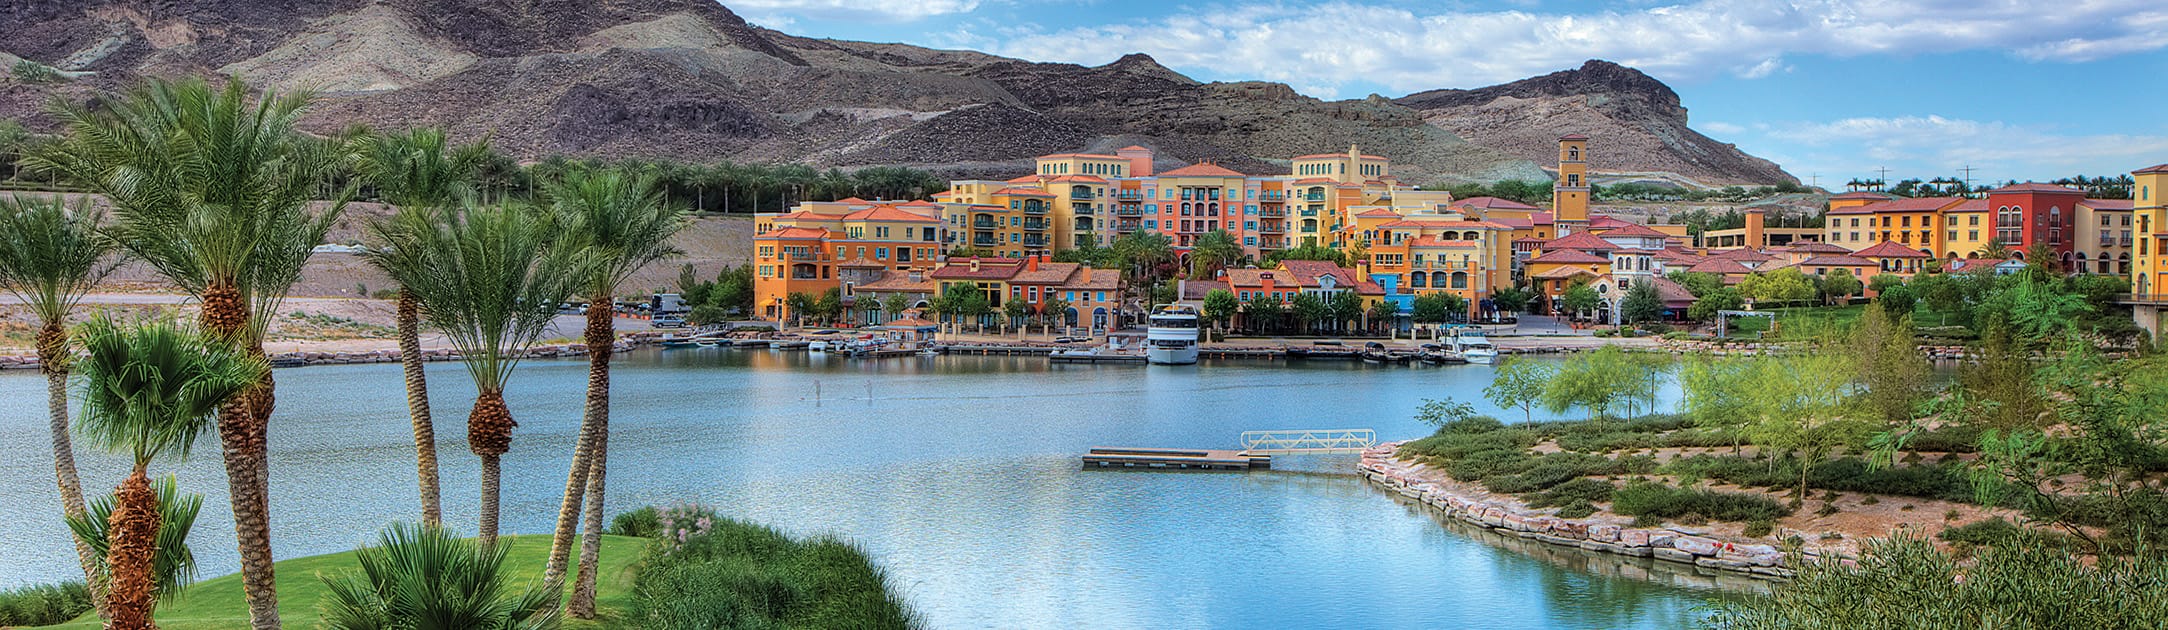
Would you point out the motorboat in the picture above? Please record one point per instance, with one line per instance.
(1171, 339)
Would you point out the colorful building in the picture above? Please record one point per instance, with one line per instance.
(823, 245)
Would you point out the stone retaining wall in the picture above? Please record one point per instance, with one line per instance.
(1765, 561)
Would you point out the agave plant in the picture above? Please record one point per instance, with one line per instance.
(419, 577)
(174, 564)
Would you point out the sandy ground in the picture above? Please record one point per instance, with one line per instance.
(304, 324)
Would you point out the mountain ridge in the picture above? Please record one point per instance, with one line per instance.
(690, 79)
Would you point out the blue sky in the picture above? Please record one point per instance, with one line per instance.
(1835, 88)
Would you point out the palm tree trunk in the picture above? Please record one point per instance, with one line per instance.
(241, 424)
(489, 434)
(417, 392)
(600, 333)
(52, 357)
(583, 587)
(133, 543)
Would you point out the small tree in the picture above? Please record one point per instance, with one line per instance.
(1643, 303)
(1346, 307)
(1219, 305)
(895, 304)
(1724, 299)
(1840, 285)
(1430, 309)
(1512, 299)
(1054, 311)
(1519, 383)
(801, 306)
(1882, 282)
(1897, 301)
(1595, 381)
(1580, 299)
(1309, 310)
(1014, 313)
(1716, 395)
(1802, 402)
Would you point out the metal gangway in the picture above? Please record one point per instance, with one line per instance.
(1308, 441)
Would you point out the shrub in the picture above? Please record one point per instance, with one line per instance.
(1579, 490)
(1988, 532)
(1928, 481)
(640, 523)
(1757, 529)
(1904, 582)
(403, 581)
(1950, 439)
(43, 604)
(711, 572)
(1577, 509)
(1647, 500)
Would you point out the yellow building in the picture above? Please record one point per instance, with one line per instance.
(823, 246)
(2104, 237)
(1966, 229)
(1344, 168)
(1569, 195)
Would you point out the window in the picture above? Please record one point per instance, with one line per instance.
(880, 253)
(1953, 235)
(1573, 179)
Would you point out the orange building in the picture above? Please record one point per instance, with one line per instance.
(812, 250)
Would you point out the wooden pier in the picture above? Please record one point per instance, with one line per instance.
(1174, 458)
(1096, 358)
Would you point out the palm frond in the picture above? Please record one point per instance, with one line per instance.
(174, 566)
(623, 217)
(419, 577)
(51, 252)
(150, 389)
(491, 278)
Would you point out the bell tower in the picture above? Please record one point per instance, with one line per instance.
(1569, 196)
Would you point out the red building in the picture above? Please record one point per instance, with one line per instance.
(2034, 213)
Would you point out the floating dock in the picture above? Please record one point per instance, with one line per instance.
(1095, 358)
(1174, 458)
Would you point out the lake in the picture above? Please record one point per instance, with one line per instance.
(959, 474)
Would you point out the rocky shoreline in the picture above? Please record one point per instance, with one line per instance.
(1381, 467)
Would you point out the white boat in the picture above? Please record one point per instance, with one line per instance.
(818, 345)
(1172, 337)
(1471, 344)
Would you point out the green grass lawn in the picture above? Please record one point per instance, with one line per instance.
(216, 604)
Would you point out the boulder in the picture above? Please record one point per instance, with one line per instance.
(1695, 545)
(1603, 533)
(1674, 555)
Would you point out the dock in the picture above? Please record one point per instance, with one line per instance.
(1174, 458)
(1095, 358)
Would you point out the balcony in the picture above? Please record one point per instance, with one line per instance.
(2125, 241)
(1272, 211)
(1083, 210)
(1080, 193)
(984, 240)
(1034, 208)
(1272, 195)
(1309, 212)
(986, 224)
(1129, 194)
(1272, 228)
(1035, 225)
(1034, 241)
(1129, 210)
(1314, 197)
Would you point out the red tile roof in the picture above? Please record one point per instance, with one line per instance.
(1082, 155)
(1815, 247)
(1719, 266)
(1436, 242)
(1886, 249)
(1493, 203)
(797, 233)
(1562, 273)
(1027, 179)
(1568, 256)
(1909, 204)
(1195, 289)
(1837, 261)
(989, 269)
(1580, 240)
(1202, 169)
(888, 213)
(1742, 255)
(1379, 212)
(1048, 273)
(1632, 230)
(1969, 205)
(1674, 296)
(2036, 187)
(1306, 272)
(1023, 192)
(2108, 204)
(2157, 168)
(1088, 179)
(1094, 279)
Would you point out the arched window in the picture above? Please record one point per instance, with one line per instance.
(1438, 279)
(1416, 280)
(1460, 280)
(1573, 154)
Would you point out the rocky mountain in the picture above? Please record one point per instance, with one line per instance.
(689, 79)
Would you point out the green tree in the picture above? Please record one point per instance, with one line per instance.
(960, 302)
(1839, 286)
(1940, 292)
(173, 564)
(1882, 282)
(1782, 286)
(1893, 377)
(1430, 308)
(2038, 311)
(1213, 250)
(1519, 383)
(212, 188)
(1716, 395)
(149, 391)
(1897, 301)
(1512, 299)
(1594, 381)
(1309, 310)
(1699, 284)
(1219, 305)
(1724, 299)
(1054, 311)
(1346, 307)
(1015, 312)
(490, 279)
(1802, 404)
(623, 223)
(801, 305)
(1580, 299)
(1143, 254)
(50, 256)
(895, 304)
(1264, 311)
(1641, 304)
(416, 172)
(409, 578)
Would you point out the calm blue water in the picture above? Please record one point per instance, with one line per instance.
(959, 474)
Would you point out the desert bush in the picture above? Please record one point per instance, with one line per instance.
(704, 571)
(43, 604)
(1648, 500)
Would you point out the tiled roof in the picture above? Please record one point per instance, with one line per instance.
(1493, 203)
(1048, 273)
(1380, 212)
(1367, 287)
(1906, 204)
(1568, 256)
(1027, 179)
(1606, 222)
(1862, 194)
(1632, 229)
(1540, 218)
(2107, 204)
(2036, 187)
(1202, 169)
(1195, 289)
(1886, 249)
(1436, 242)
(1562, 273)
(1082, 155)
(1673, 294)
(1514, 223)
(797, 233)
(888, 213)
(1816, 247)
(1969, 205)
(1446, 223)
(1742, 255)
(900, 282)
(861, 263)
(1580, 240)
(1023, 192)
(1095, 280)
(1719, 266)
(1306, 272)
(2157, 168)
(989, 269)
(918, 204)
(1837, 261)
(1088, 179)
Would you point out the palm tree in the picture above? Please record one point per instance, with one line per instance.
(416, 171)
(421, 577)
(625, 224)
(490, 278)
(50, 255)
(1213, 250)
(212, 189)
(174, 564)
(150, 390)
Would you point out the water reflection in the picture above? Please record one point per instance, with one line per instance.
(958, 473)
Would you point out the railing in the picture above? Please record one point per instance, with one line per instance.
(1315, 197)
(1034, 208)
(1272, 228)
(1309, 213)
(1034, 242)
(1129, 211)
(1129, 194)
(1272, 212)
(1080, 193)
(1035, 226)
(2146, 298)
(1083, 210)
(984, 240)
(985, 225)
(1272, 195)
(1308, 441)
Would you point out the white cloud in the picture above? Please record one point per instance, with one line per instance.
(771, 12)
(1339, 43)
(1933, 145)
(1720, 127)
